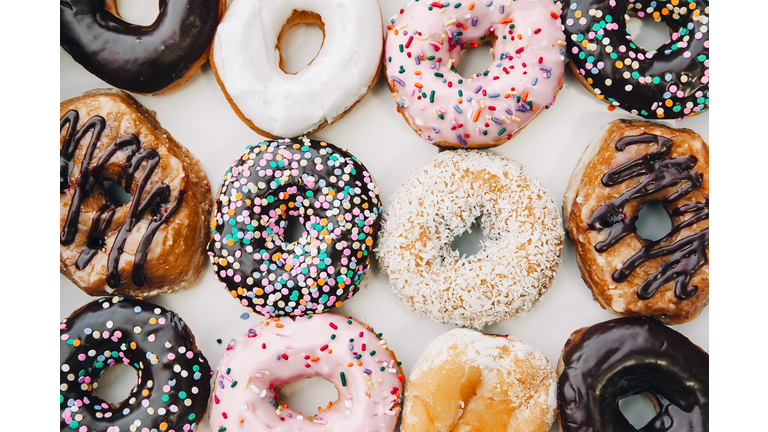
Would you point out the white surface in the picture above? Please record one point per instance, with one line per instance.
(200, 118)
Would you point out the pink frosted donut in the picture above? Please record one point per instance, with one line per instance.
(423, 47)
(343, 351)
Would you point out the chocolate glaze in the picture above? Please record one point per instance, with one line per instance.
(151, 339)
(610, 361)
(143, 59)
(156, 201)
(673, 72)
(659, 173)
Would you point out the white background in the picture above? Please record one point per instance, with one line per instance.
(199, 117)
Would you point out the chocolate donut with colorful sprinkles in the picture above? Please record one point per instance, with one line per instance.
(670, 82)
(174, 378)
(294, 181)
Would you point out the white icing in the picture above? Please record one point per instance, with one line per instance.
(285, 105)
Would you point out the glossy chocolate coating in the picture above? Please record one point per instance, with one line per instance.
(674, 77)
(659, 173)
(142, 59)
(155, 203)
(174, 378)
(610, 361)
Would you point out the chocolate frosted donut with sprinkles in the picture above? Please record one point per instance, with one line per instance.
(670, 82)
(424, 45)
(298, 181)
(174, 378)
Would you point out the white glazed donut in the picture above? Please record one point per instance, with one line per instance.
(520, 252)
(247, 62)
(343, 351)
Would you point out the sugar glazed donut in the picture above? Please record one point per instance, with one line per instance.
(627, 165)
(670, 82)
(607, 362)
(439, 201)
(154, 243)
(151, 60)
(423, 48)
(469, 381)
(174, 378)
(277, 352)
(248, 62)
(323, 188)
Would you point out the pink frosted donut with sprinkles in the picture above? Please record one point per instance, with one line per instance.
(316, 185)
(670, 82)
(343, 351)
(423, 47)
(174, 378)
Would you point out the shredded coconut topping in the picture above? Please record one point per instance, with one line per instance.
(520, 252)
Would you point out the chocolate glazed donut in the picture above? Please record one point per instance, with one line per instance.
(149, 59)
(174, 378)
(607, 362)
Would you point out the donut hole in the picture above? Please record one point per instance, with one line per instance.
(300, 41)
(309, 396)
(115, 193)
(653, 222)
(469, 242)
(474, 61)
(293, 228)
(116, 383)
(139, 12)
(647, 33)
(638, 409)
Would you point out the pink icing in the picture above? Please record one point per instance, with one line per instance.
(527, 67)
(276, 353)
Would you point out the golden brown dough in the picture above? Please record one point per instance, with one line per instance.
(667, 279)
(176, 200)
(469, 381)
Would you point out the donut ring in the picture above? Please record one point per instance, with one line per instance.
(174, 377)
(670, 82)
(628, 164)
(343, 351)
(439, 201)
(155, 243)
(150, 60)
(333, 197)
(423, 47)
(469, 381)
(248, 63)
(607, 362)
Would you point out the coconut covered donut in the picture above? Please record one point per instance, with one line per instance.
(248, 63)
(469, 381)
(423, 47)
(628, 164)
(154, 243)
(439, 201)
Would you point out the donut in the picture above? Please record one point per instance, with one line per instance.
(469, 381)
(149, 60)
(278, 183)
(154, 243)
(520, 252)
(670, 82)
(607, 362)
(628, 164)
(343, 351)
(423, 47)
(174, 378)
(248, 62)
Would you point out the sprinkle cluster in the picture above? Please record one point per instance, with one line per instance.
(347, 353)
(423, 48)
(670, 82)
(173, 375)
(323, 188)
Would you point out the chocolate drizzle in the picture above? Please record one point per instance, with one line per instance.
(659, 172)
(156, 201)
